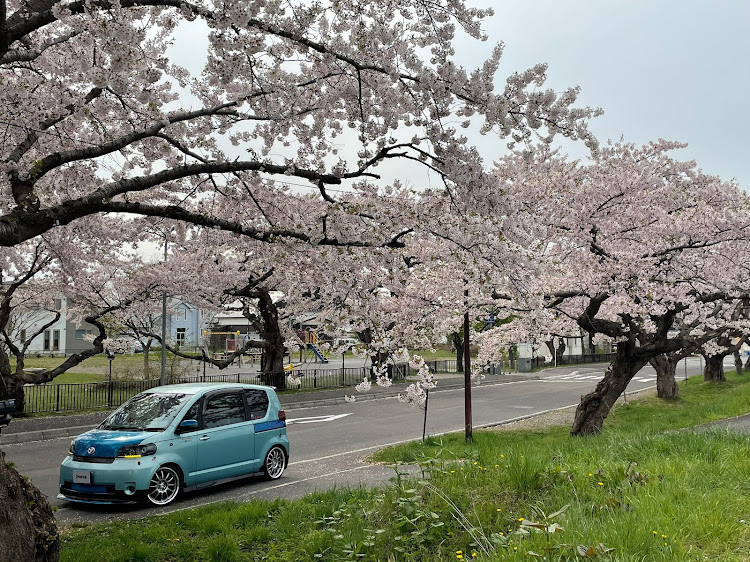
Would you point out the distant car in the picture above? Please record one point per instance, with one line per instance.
(175, 438)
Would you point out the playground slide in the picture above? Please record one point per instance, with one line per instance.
(317, 353)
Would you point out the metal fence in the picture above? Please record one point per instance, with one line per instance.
(101, 395)
(541, 361)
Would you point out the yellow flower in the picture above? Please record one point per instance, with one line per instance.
(473, 554)
(664, 536)
(520, 518)
(460, 557)
(601, 483)
(499, 509)
(655, 532)
(453, 472)
(502, 456)
(459, 552)
(590, 474)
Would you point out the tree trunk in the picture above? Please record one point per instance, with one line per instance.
(458, 343)
(146, 362)
(595, 406)
(27, 525)
(714, 369)
(666, 380)
(747, 363)
(11, 388)
(558, 351)
(738, 362)
(272, 357)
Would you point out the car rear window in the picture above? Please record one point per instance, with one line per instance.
(257, 403)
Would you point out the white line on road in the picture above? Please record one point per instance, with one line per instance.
(318, 419)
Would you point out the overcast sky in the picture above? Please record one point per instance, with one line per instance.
(675, 69)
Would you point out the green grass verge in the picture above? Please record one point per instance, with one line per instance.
(645, 490)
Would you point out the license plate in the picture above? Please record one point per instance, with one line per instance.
(81, 477)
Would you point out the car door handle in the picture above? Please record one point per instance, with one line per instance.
(205, 438)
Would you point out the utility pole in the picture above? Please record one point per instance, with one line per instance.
(467, 376)
(162, 376)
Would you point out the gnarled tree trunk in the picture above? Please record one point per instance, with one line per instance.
(557, 353)
(595, 406)
(714, 369)
(27, 525)
(458, 343)
(272, 357)
(666, 380)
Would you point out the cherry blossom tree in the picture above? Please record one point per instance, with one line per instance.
(627, 246)
(97, 119)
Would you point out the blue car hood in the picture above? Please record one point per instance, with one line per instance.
(106, 443)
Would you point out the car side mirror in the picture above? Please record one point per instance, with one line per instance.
(187, 425)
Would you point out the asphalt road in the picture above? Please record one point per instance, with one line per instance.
(328, 443)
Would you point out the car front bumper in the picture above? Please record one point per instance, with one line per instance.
(116, 482)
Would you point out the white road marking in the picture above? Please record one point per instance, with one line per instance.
(317, 419)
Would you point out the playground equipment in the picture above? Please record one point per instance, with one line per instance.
(312, 343)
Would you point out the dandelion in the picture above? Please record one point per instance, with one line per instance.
(590, 474)
(473, 554)
(499, 509)
(601, 483)
(475, 463)
(655, 533)
(502, 456)
(453, 472)
(520, 518)
(664, 536)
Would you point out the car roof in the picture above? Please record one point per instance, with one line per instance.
(202, 387)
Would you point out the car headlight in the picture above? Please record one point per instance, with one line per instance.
(72, 445)
(137, 451)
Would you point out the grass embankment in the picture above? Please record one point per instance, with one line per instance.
(642, 491)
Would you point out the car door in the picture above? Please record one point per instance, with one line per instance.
(226, 440)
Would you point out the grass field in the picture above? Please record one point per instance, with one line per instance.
(646, 490)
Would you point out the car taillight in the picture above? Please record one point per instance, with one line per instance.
(282, 415)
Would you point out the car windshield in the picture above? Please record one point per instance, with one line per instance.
(150, 411)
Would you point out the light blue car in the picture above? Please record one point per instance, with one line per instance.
(174, 438)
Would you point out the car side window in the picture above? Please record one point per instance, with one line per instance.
(257, 404)
(223, 409)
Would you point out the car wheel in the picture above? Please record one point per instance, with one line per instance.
(165, 486)
(275, 463)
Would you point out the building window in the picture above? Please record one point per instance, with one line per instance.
(55, 340)
(183, 313)
(58, 304)
(181, 336)
(81, 334)
(46, 340)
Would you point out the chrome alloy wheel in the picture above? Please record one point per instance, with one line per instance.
(275, 462)
(164, 486)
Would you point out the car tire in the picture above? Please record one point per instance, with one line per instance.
(275, 463)
(165, 486)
